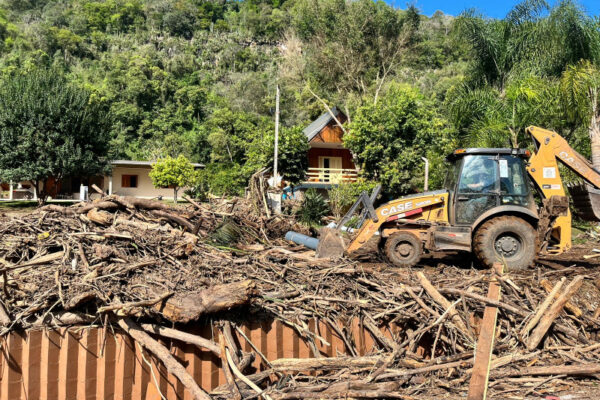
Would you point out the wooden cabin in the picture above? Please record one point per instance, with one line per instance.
(329, 162)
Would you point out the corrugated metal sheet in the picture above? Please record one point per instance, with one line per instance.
(97, 363)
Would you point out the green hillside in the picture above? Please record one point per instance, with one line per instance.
(198, 78)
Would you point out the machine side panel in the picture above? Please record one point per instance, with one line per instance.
(424, 206)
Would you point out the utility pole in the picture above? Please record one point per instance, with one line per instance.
(275, 156)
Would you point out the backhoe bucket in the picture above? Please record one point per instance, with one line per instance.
(331, 241)
(586, 201)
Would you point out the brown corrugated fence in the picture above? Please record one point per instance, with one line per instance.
(96, 363)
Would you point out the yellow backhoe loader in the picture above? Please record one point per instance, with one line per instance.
(487, 207)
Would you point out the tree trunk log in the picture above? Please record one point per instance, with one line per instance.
(186, 307)
(552, 293)
(184, 337)
(576, 311)
(5, 319)
(59, 209)
(134, 202)
(162, 353)
(444, 303)
(552, 313)
(323, 364)
(64, 318)
(577, 369)
(594, 130)
(184, 223)
(345, 390)
(100, 217)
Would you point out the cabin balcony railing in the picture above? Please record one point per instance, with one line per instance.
(331, 175)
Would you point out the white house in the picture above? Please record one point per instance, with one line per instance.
(128, 178)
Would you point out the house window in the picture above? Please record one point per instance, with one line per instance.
(129, 181)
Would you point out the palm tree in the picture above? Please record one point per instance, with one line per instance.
(499, 46)
(494, 118)
(516, 60)
(579, 87)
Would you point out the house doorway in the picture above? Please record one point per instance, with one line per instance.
(330, 169)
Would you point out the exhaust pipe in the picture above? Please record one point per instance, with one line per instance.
(426, 184)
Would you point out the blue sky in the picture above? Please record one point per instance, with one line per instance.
(496, 9)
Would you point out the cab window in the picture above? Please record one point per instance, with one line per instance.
(452, 176)
(512, 176)
(514, 184)
(479, 174)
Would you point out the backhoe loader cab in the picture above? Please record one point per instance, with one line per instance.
(486, 181)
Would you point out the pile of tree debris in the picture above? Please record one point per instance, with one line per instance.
(147, 267)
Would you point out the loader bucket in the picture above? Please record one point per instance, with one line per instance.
(586, 201)
(331, 244)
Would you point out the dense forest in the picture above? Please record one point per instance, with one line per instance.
(198, 77)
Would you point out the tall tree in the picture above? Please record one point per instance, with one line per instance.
(49, 128)
(489, 117)
(500, 46)
(348, 49)
(516, 61)
(389, 139)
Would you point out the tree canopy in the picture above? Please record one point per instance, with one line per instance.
(197, 77)
(173, 173)
(50, 128)
(390, 138)
(514, 78)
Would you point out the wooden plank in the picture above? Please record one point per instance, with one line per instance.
(485, 343)
(552, 293)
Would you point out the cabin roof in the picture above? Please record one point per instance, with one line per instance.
(318, 124)
(135, 163)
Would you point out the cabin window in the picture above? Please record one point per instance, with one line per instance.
(129, 181)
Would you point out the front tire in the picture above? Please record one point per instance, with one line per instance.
(506, 239)
(403, 249)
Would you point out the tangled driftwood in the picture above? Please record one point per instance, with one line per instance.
(147, 267)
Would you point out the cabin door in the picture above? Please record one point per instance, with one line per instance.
(330, 169)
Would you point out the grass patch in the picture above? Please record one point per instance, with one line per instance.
(17, 204)
(29, 204)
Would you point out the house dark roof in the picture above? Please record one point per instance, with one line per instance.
(318, 124)
(133, 163)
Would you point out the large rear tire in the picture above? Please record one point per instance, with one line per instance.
(403, 249)
(506, 239)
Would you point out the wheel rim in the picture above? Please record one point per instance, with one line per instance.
(404, 250)
(508, 245)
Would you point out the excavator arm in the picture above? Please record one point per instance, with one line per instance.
(550, 148)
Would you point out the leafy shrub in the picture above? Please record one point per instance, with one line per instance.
(199, 187)
(341, 198)
(225, 179)
(314, 208)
